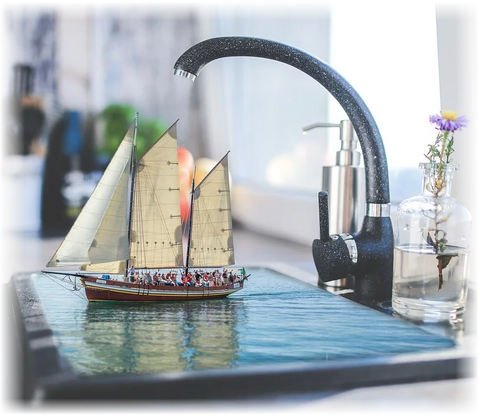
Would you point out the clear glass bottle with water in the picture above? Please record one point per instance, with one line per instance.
(431, 257)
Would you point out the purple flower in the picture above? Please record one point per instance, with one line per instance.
(448, 121)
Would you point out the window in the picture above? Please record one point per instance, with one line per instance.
(390, 58)
(260, 106)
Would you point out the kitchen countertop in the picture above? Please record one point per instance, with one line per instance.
(28, 253)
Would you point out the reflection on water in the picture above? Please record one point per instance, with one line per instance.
(274, 320)
(152, 338)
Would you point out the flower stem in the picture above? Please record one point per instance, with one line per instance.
(440, 272)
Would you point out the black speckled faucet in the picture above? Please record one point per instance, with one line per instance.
(367, 254)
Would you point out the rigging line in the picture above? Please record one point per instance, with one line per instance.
(139, 222)
(216, 237)
(145, 230)
(146, 187)
(139, 218)
(153, 201)
(59, 283)
(151, 233)
(189, 238)
(163, 217)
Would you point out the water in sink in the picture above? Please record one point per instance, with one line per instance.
(275, 320)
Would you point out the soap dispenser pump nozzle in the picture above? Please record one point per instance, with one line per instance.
(348, 155)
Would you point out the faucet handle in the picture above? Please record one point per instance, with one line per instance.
(330, 253)
(323, 216)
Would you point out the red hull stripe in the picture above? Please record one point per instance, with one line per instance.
(108, 290)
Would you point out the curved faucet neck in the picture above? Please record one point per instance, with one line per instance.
(194, 59)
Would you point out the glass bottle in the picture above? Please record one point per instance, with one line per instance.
(431, 256)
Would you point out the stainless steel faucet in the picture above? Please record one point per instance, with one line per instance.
(368, 254)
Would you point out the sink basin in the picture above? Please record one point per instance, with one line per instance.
(279, 336)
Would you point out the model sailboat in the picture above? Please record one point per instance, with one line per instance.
(131, 225)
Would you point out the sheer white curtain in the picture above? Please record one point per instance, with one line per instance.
(459, 42)
(257, 107)
(389, 54)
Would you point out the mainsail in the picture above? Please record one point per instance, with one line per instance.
(211, 242)
(99, 233)
(156, 232)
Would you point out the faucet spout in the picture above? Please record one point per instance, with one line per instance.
(377, 224)
(191, 62)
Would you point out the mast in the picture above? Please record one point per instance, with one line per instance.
(189, 237)
(132, 188)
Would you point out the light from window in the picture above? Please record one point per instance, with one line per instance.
(389, 56)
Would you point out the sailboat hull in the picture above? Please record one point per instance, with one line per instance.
(110, 290)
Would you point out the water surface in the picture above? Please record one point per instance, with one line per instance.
(275, 319)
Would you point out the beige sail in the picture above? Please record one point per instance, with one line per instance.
(156, 235)
(211, 232)
(99, 233)
(119, 266)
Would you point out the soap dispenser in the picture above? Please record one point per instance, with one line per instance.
(345, 184)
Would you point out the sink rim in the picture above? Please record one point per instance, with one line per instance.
(51, 383)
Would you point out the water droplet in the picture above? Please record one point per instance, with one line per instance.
(463, 238)
(406, 228)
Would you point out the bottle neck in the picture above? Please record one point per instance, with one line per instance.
(437, 179)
